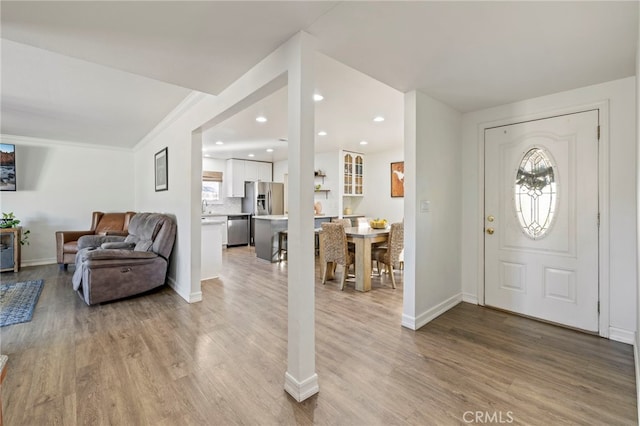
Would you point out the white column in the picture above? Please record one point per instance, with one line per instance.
(410, 172)
(195, 295)
(301, 380)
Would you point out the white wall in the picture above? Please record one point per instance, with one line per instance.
(280, 168)
(432, 238)
(181, 133)
(378, 202)
(622, 188)
(59, 185)
(637, 342)
(328, 162)
(175, 133)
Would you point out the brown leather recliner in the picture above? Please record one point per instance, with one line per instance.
(101, 224)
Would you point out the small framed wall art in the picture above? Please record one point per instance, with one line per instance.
(397, 179)
(161, 170)
(8, 166)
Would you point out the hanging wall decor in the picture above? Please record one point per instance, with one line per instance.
(397, 179)
(161, 170)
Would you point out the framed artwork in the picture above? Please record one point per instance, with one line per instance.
(162, 170)
(397, 179)
(8, 167)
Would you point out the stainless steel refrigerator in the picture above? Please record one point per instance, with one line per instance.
(262, 198)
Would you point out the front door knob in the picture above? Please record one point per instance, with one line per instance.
(490, 218)
(490, 231)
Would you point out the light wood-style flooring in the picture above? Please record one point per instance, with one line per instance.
(157, 360)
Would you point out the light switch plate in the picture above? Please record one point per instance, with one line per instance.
(425, 206)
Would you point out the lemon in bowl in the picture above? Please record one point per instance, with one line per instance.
(378, 223)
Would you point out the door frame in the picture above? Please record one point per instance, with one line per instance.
(603, 198)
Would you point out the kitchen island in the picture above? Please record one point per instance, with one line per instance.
(211, 248)
(268, 228)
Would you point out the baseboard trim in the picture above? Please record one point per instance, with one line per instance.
(430, 314)
(38, 262)
(636, 361)
(301, 390)
(621, 335)
(189, 297)
(195, 297)
(470, 298)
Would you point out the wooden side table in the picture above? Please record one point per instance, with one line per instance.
(10, 249)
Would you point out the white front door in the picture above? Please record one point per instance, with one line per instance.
(541, 219)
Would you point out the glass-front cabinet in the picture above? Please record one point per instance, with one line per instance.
(353, 173)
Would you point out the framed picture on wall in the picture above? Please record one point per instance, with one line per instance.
(161, 170)
(8, 167)
(397, 179)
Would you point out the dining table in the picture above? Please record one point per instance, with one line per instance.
(363, 238)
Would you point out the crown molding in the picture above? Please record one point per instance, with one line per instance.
(28, 140)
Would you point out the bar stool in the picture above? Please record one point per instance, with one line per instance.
(282, 243)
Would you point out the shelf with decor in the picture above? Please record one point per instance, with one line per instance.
(10, 249)
(326, 192)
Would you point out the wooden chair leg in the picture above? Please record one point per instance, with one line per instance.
(393, 278)
(345, 271)
(324, 272)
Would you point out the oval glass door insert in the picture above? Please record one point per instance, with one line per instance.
(535, 193)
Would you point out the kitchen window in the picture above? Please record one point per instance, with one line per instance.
(211, 187)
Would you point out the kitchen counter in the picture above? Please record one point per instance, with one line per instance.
(320, 216)
(268, 228)
(208, 215)
(211, 249)
(214, 220)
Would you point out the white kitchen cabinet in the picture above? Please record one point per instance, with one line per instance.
(251, 171)
(225, 233)
(235, 178)
(352, 166)
(265, 172)
(211, 250)
(241, 171)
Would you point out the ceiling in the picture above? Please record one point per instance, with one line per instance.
(108, 72)
(346, 114)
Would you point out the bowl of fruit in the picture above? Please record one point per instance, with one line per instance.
(378, 223)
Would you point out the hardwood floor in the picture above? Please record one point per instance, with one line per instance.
(156, 360)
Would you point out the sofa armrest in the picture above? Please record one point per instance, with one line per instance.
(63, 237)
(97, 240)
(123, 254)
(121, 233)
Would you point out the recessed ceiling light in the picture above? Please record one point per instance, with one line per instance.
(269, 149)
(322, 133)
(251, 155)
(363, 142)
(208, 155)
(261, 119)
(378, 119)
(317, 97)
(219, 143)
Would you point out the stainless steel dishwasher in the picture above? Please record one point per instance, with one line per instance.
(237, 230)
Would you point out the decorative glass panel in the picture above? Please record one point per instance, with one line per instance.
(535, 193)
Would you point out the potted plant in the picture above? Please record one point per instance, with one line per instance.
(9, 220)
